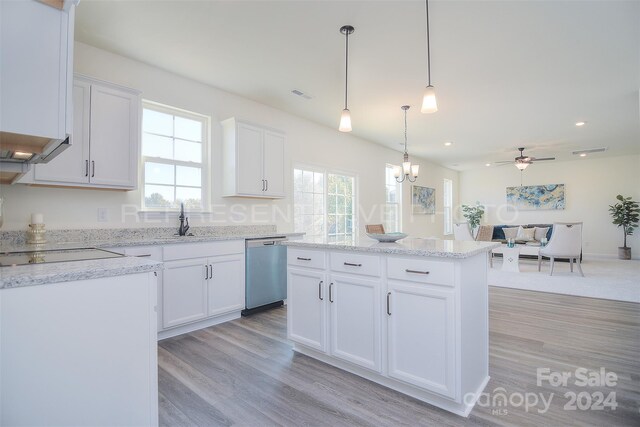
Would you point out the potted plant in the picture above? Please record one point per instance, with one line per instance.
(625, 214)
(473, 214)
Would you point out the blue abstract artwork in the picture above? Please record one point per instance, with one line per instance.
(424, 200)
(536, 197)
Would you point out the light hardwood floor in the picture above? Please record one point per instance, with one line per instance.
(244, 372)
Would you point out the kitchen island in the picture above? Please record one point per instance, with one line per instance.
(412, 315)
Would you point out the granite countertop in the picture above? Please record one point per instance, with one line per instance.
(56, 272)
(408, 246)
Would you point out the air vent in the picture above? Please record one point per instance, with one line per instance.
(589, 151)
(302, 94)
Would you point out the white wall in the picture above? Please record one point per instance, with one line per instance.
(307, 143)
(591, 185)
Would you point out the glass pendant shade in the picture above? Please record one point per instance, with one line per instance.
(429, 104)
(521, 165)
(406, 168)
(414, 170)
(345, 121)
(397, 171)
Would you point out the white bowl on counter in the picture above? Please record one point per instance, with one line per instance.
(387, 237)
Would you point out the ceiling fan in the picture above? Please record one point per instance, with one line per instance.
(522, 161)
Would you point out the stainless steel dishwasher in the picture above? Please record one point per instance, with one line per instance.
(265, 274)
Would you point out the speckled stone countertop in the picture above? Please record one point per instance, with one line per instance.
(56, 272)
(408, 246)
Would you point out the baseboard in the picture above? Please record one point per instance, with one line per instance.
(183, 329)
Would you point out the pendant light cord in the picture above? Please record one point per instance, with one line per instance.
(346, 68)
(428, 45)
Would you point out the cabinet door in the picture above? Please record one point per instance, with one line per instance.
(114, 136)
(226, 284)
(421, 340)
(306, 315)
(72, 165)
(249, 169)
(355, 320)
(274, 163)
(33, 68)
(184, 291)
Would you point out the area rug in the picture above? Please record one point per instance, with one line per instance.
(604, 278)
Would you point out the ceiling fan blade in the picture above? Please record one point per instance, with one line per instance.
(503, 162)
(534, 159)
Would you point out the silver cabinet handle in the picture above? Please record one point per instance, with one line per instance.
(330, 293)
(352, 264)
(388, 303)
(304, 259)
(211, 273)
(142, 256)
(93, 168)
(206, 272)
(320, 297)
(263, 185)
(267, 185)
(86, 168)
(416, 271)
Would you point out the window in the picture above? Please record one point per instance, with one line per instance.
(393, 202)
(448, 206)
(174, 147)
(324, 204)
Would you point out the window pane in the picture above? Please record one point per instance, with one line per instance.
(340, 205)
(188, 129)
(307, 203)
(318, 204)
(297, 180)
(340, 221)
(186, 175)
(318, 183)
(332, 184)
(157, 146)
(191, 197)
(158, 196)
(158, 173)
(188, 151)
(331, 226)
(307, 181)
(157, 122)
(332, 204)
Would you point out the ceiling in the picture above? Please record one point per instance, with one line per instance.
(506, 73)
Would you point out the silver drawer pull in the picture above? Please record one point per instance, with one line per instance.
(416, 271)
(352, 264)
(304, 259)
(142, 256)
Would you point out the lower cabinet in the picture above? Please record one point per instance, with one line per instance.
(225, 276)
(306, 309)
(421, 336)
(184, 291)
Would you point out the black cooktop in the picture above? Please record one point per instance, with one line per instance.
(8, 259)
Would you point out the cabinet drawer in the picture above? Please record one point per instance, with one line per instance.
(305, 258)
(368, 265)
(198, 250)
(421, 270)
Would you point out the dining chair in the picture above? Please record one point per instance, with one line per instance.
(461, 231)
(374, 228)
(565, 242)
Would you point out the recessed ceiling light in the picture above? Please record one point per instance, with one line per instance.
(581, 123)
(448, 143)
(487, 164)
(583, 154)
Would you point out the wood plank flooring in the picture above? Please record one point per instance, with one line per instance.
(244, 372)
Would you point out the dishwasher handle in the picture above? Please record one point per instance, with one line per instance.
(272, 241)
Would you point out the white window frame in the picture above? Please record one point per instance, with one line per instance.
(398, 201)
(447, 210)
(205, 165)
(326, 172)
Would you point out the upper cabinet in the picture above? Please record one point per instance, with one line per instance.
(104, 142)
(36, 68)
(253, 160)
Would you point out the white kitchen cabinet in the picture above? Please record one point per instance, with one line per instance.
(225, 275)
(184, 291)
(104, 143)
(355, 323)
(306, 312)
(253, 160)
(36, 68)
(422, 336)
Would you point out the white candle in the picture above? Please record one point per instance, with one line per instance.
(37, 218)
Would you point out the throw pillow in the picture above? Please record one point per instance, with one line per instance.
(510, 232)
(525, 234)
(541, 232)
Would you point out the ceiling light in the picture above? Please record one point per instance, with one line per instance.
(345, 118)
(21, 155)
(448, 143)
(583, 154)
(522, 165)
(407, 170)
(581, 123)
(487, 164)
(429, 104)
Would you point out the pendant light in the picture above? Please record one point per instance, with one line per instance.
(407, 170)
(345, 118)
(429, 104)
